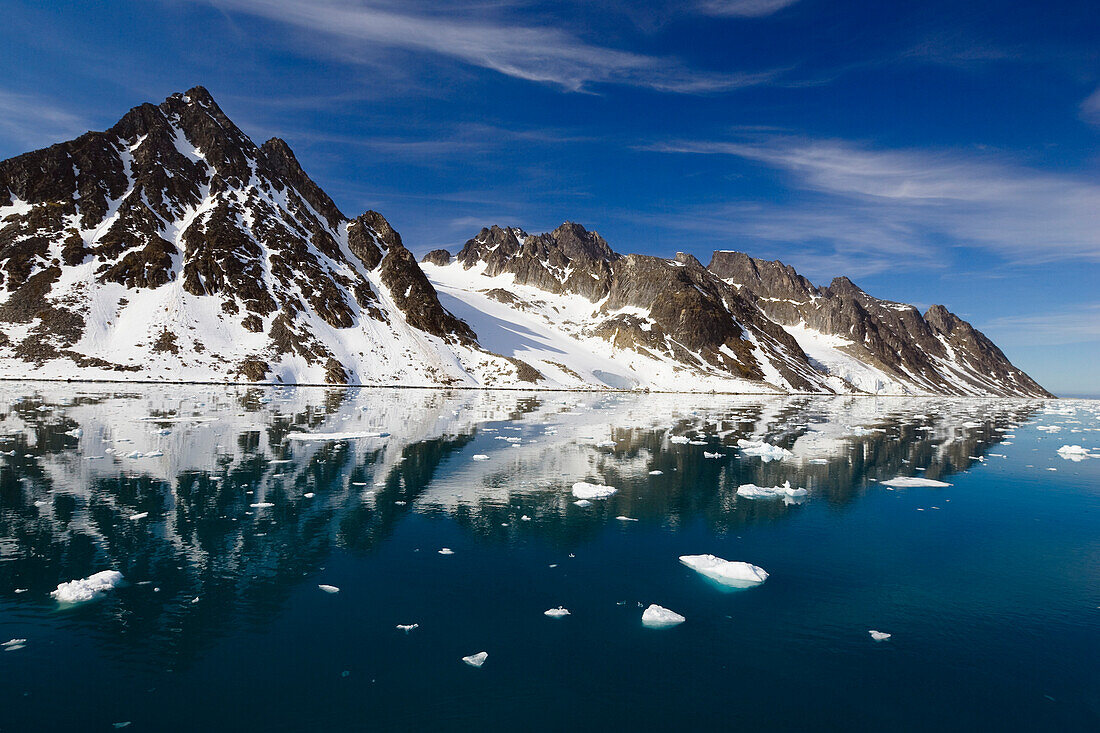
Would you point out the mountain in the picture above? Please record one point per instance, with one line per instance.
(171, 247)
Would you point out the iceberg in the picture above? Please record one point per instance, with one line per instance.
(659, 617)
(585, 490)
(729, 573)
(329, 588)
(678, 439)
(752, 491)
(407, 627)
(446, 551)
(139, 515)
(583, 503)
(480, 457)
(87, 589)
(879, 635)
(558, 612)
(476, 660)
(713, 455)
(655, 473)
(766, 451)
(906, 482)
(1074, 453)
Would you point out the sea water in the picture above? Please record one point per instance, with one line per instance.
(278, 583)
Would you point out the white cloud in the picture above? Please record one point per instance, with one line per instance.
(743, 8)
(918, 197)
(545, 53)
(1090, 108)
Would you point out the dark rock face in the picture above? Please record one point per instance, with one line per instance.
(439, 257)
(938, 352)
(176, 193)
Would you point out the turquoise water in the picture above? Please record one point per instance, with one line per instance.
(990, 587)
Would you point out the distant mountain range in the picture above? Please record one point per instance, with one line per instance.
(173, 248)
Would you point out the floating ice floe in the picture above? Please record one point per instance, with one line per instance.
(766, 451)
(334, 436)
(879, 635)
(328, 588)
(1074, 453)
(679, 439)
(14, 644)
(730, 573)
(558, 612)
(623, 518)
(655, 473)
(906, 482)
(407, 627)
(140, 515)
(606, 444)
(582, 503)
(713, 455)
(476, 660)
(752, 491)
(480, 457)
(659, 617)
(585, 490)
(87, 589)
(261, 505)
(446, 551)
(75, 433)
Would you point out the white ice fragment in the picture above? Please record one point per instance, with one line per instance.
(75, 432)
(261, 505)
(713, 455)
(476, 660)
(87, 589)
(752, 491)
(328, 588)
(879, 635)
(679, 439)
(906, 482)
(583, 503)
(659, 617)
(655, 473)
(407, 627)
(1074, 453)
(732, 573)
(606, 444)
(139, 515)
(309, 495)
(22, 642)
(480, 457)
(446, 551)
(766, 451)
(525, 518)
(585, 490)
(334, 436)
(622, 518)
(558, 612)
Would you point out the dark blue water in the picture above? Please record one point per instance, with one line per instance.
(990, 587)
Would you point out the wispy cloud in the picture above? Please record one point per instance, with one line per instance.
(1090, 108)
(1079, 324)
(920, 198)
(544, 53)
(743, 8)
(28, 121)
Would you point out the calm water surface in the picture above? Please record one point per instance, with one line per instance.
(990, 587)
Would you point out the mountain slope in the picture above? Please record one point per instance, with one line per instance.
(173, 247)
(934, 353)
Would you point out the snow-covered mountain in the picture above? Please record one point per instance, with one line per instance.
(173, 248)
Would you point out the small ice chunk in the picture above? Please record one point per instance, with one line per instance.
(446, 551)
(558, 612)
(525, 518)
(75, 432)
(659, 617)
(1074, 453)
(583, 503)
(905, 482)
(713, 455)
(407, 627)
(328, 588)
(732, 573)
(655, 473)
(476, 660)
(139, 515)
(480, 457)
(585, 490)
(309, 495)
(879, 635)
(606, 444)
(22, 642)
(679, 439)
(752, 491)
(261, 505)
(87, 589)
(623, 518)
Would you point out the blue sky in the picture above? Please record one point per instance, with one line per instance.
(935, 152)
